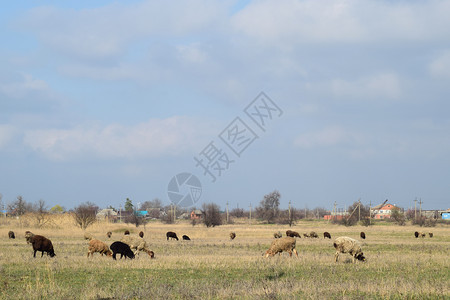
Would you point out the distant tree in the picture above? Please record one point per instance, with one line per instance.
(167, 216)
(20, 207)
(285, 218)
(409, 214)
(129, 205)
(85, 214)
(41, 213)
(237, 213)
(398, 216)
(148, 205)
(135, 219)
(211, 215)
(268, 208)
(57, 209)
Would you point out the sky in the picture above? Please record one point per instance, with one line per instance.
(324, 101)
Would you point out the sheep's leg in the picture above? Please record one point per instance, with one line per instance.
(336, 256)
(295, 251)
(34, 253)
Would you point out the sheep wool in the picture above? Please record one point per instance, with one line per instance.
(345, 244)
(282, 244)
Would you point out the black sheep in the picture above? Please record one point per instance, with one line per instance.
(171, 235)
(186, 238)
(326, 235)
(292, 233)
(43, 244)
(141, 234)
(416, 234)
(11, 235)
(122, 249)
(362, 235)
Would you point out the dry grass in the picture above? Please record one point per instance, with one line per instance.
(211, 266)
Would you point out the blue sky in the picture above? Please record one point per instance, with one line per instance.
(100, 101)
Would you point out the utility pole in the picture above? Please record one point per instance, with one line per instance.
(370, 212)
(250, 212)
(415, 208)
(359, 210)
(334, 209)
(174, 213)
(227, 213)
(290, 220)
(420, 203)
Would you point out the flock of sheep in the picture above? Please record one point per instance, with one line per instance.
(129, 246)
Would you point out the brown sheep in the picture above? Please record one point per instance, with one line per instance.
(282, 244)
(430, 234)
(141, 234)
(362, 235)
(127, 232)
(137, 244)
(109, 234)
(305, 235)
(326, 235)
(28, 236)
(43, 244)
(313, 234)
(416, 234)
(11, 235)
(98, 246)
(422, 234)
(344, 244)
(292, 233)
(277, 235)
(232, 235)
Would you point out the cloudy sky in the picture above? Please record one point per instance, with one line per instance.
(101, 100)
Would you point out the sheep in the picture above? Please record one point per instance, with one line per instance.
(416, 234)
(98, 246)
(186, 238)
(422, 234)
(11, 235)
(88, 236)
(172, 235)
(43, 244)
(122, 249)
(344, 244)
(141, 234)
(362, 235)
(430, 234)
(305, 235)
(313, 234)
(109, 234)
(277, 235)
(137, 244)
(292, 233)
(232, 235)
(326, 235)
(28, 236)
(282, 244)
(127, 232)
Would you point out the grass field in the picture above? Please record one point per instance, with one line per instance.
(211, 266)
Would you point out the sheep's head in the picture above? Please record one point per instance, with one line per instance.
(151, 254)
(360, 257)
(108, 253)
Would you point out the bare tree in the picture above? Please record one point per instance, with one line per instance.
(211, 215)
(85, 214)
(19, 207)
(41, 213)
(268, 208)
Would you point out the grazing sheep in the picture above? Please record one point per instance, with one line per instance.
(292, 233)
(362, 235)
(282, 244)
(416, 234)
(313, 234)
(141, 234)
(43, 244)
(277, 235)
(344, 244)
(305, 235)
(127, 232)
(88, 236)
(186, 238)
(109, 234)
(137, 244)
(11, 235)
(232, 235)
(172, 235)
(430, 234)
(98, 246)
(422, 234)
(326, 235)
(28, 236)
(122, 249)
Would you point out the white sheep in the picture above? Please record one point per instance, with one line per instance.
(137, 244)
(345, 244)
(282, 244)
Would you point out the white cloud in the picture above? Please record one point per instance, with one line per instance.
(440, 67)
(157, 137)
(385, 85)
(7, 132)
(328, 136)
(22, 87)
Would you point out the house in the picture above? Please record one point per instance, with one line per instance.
(107, 214)
(382, 211)
(445, 214)
(196, 214)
